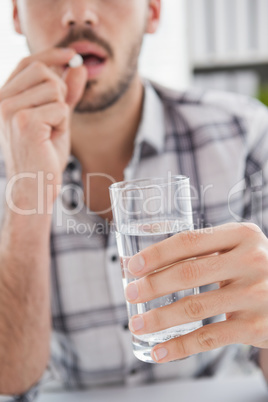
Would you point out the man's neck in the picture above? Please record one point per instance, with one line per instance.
(103, 139)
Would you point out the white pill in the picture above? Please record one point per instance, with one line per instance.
(76, 61)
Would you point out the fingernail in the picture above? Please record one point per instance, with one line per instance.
(160, 353)
(136, 264)
(136, 323)
(132, 291)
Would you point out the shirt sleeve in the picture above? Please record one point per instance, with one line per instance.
(256, 179)
(256, 206)
(256, 173)
(252, 116)
(32, 394)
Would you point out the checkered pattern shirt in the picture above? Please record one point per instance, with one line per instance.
(221, 142)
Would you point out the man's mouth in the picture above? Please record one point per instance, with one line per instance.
(94, 56)
(92, 59)
(92, 53)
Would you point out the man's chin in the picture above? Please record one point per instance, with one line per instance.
(99, 97)
(89, 101)
(94, 102)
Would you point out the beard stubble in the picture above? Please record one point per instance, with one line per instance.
(111, 95)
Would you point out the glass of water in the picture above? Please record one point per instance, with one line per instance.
(145, 212)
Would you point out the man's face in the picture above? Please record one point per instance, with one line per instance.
(108, 33)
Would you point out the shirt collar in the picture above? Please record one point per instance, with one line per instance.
(152, 125)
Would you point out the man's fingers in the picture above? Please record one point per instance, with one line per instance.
(190, 244)
(203, 339)
(75, 79)
(37, 96)
(35, 70)
(190, 309)
(182, 276)
(31, 76)
(51, 57)
(55, 115)
(43, 121)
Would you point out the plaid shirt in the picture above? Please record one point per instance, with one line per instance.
(220, 141)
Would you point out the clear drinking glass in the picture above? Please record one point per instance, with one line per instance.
(145, 212)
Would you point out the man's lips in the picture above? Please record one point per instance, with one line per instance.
(87, 49)
(94, 57)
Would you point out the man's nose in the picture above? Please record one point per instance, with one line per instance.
(79, 13)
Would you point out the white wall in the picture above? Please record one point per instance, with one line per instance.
(164, 56)
(228, 32)
(12, 45)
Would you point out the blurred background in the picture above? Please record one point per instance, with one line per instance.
(218, 44)
(221, 44)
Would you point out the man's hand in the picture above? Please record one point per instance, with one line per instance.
(35, 105)
(233, 255)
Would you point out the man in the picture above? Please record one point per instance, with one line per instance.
(115, 127)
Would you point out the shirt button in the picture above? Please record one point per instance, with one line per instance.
(71, 166)
(114, 258)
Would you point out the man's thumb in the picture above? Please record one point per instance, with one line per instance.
(75, 79)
